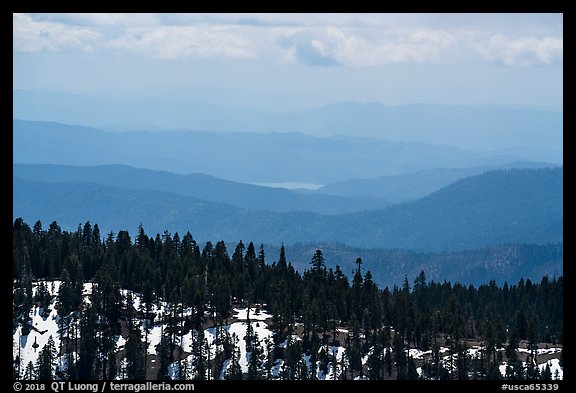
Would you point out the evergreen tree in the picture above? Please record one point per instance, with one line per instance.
(234, 371)
(411, 373)
(282, 263)
(88, 344)
(135, 356)
(400, 357)
(30, 372)
(46, 361)
(388, 362)
(269, 345)
(261, 257)
(167, 273)
(318, 262)
(547, 373)
(254, 365)
(375, 361)
(462, 362)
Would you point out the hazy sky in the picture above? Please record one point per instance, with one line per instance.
(513, 59)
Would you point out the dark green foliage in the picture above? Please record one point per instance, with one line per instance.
(318, 305)
(135, 369)
(472, 266)
(46, 361)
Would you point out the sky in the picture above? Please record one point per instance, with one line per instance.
(297, 60)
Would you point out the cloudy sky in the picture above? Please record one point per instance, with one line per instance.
(511, 59)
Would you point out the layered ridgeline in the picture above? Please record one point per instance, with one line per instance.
(200, 186)
(415, 185)
(341, 197)
(469, 127)
(504, 206)
(245, 157)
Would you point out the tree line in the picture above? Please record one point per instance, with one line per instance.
(316, 304)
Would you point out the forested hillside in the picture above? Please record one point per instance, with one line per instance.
(501, 262)
(411, 186)
(119, 306)
(506, 206)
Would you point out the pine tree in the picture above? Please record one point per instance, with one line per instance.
(388, 362)
(237, 261)
(234, 370)
(318, 262)
(136, 368)
(374, 363)
(111, 373)
(30, 372)
(412, 373)
(96, 240)
(65, 295)
(532, 370)
(269, 343)
(88, 344)
(254, 359)
(282, 263)
(261, 257)
(400, 357)
(462, 362)
(46, 361)
(547, 373)
(199, 356)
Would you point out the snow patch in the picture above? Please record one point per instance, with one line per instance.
(30, 345)
(418, 353)
(554, 367)
(154, 338)
(120, 343)
(242, 314)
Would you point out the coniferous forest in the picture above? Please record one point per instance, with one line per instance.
(88, 305)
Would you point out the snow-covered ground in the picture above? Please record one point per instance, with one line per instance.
(554, 368)
(242, 314)
(542, 351)
(120, 343)
(52, 286)
(474, 352)
(42, 329)
(418, 353)
(154, 338)
(238, 330)
(45, 323)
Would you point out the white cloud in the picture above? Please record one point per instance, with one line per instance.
(100, 19)
(182, 42)
(368, 47)
(523, 51)
(351, 40)
(33, 36)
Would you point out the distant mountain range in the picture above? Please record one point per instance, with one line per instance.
(412, 186)
(504, 206)
(502, 262)
(534, 134)
(198, 185)
(243, 157)
(338, 198)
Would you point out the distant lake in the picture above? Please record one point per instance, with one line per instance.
(291, 185)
